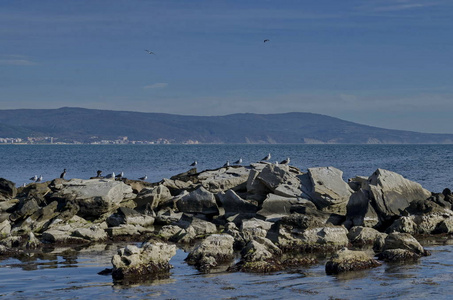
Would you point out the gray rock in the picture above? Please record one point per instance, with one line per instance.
(151, 260)
(93, 233)
(404, 241)
(95, 197)
(445, 226)
(325, 238)
(328, 190)
(259, 256)
(255, 187)
(125, 215)
(7, 189)
(254, 228)
(281, 180)
(198, 201)
(212, 251)
(152, 198)
(403, 225)
(224, 179)
(275, 207)
(233, 204)
(392, 193)
(427, 215)
(127, 230)
(359, 210)
(398, 255)
(346, 260)
(362, 236)
(5, 229)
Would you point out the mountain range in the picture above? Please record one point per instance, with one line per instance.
(70, 124)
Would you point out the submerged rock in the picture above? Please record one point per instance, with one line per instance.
(347, 260)
(151, 260)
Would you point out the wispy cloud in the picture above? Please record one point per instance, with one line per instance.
(17, 62)
(397, 5)
(158, 85)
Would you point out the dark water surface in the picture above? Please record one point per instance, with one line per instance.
(67, 273)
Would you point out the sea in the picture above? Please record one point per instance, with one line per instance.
(72, 273)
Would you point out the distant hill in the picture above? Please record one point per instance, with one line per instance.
(84, 125)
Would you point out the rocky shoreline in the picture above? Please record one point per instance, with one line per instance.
(258, 218)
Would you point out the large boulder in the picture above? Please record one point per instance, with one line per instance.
(392, 193)
(259, 255)
(198, 201)
(281, 180)
(151, 260)
(95, 197)
(151, 198)
(325, 238)
(125, 215)
(224, 179)
(363, 236)
(327, 189)
(404, 241)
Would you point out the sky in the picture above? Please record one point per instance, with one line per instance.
(384, 63)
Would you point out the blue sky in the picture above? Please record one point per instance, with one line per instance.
(385, 63)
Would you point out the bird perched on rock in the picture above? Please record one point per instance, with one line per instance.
(238, 162)
(62, 175)
(285, 161)
(98, 173)
(39, 179)
(194, 164)
(120, 175)
(267, 157)
(110, 176)
(227, 164)
(143, 178)
(34, 178)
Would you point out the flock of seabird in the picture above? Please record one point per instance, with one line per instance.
(120, 175)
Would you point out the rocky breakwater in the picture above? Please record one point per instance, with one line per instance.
(258, 218)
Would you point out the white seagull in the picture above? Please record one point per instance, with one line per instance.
(39, 179)
(227, 164)
(194, 164)
(238, 162)
(285, 162)
(267, 157)
(143, 178)
(34, 178)
(109, 176)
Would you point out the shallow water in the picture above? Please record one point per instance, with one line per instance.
(70, 274)
(73, 275)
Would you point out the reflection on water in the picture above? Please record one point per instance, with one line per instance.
(73, 273)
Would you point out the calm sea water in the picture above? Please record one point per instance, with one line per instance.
(72, 273)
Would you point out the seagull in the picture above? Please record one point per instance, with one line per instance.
(149, 52)
(266, 40)
(62, 175)
(267, 157)
(39, 179)
(143, 178)
(227, 164)
(34, 178)
(109, 176)
(194, 164)
(120, 175)
(238, 162)
(285, 162)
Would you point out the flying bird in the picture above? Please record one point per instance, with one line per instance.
(150, 52)
(266, 40)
